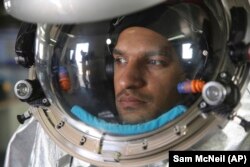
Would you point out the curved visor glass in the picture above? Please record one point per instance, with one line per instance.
(139, 71)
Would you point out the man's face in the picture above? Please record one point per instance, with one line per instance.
(146, 74)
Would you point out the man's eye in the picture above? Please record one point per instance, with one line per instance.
(157, 62)
(120, 60)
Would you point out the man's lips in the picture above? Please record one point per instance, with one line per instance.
(130, 102)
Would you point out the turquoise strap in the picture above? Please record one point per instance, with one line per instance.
(127, 129)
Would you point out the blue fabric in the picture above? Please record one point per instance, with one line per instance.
(134, 129)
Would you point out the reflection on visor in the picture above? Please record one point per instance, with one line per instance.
(119, 129)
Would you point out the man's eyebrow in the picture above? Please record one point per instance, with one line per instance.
(165, 51)
(118, 52)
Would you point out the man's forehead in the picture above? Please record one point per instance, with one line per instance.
(141, 40)
(141, 31)
(141, 35)
(148, 52)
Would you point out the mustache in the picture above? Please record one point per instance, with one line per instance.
(134, 93)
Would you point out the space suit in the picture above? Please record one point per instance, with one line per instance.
(73, 120)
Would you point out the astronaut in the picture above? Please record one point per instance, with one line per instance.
(122, 83)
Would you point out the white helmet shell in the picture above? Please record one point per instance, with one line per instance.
(73, 11)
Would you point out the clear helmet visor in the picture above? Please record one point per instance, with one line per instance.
(143, 69)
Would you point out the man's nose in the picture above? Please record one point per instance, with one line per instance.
(133, 76)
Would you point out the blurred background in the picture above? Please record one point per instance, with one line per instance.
(10, 73)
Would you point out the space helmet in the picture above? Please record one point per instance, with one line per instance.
(73, 86)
